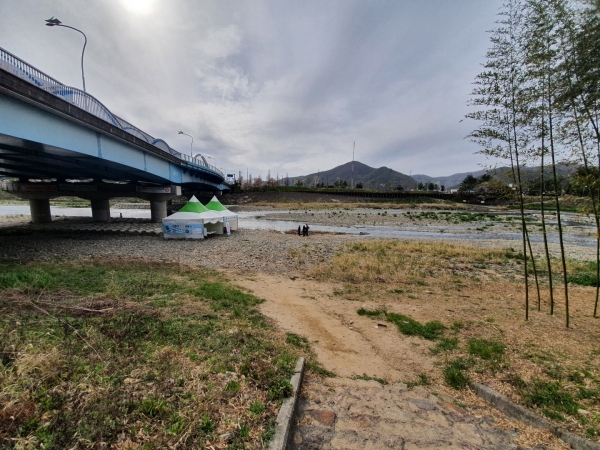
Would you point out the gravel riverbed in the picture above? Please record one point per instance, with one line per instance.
(253, 250)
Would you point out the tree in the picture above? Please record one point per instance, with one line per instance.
(339, 183)
(468, 184)
(500, 94)
(538, 102)
(493, 189)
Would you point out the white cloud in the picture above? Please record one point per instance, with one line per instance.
(220, 43)
(275, 84)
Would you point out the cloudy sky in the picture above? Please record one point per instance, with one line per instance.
(280, 85)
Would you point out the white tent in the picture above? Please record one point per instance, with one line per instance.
(193, 221)
(228, 216)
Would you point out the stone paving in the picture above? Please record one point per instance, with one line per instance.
(338, 413)
(139, 227)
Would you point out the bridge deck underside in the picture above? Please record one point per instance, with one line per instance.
(31, 160)
(26, 159)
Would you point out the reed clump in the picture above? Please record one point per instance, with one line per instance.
(393, 261)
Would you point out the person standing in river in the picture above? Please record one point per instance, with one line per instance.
(298, 230)
(306, 227)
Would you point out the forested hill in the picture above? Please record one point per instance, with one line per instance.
(370, 177)
(448, 181)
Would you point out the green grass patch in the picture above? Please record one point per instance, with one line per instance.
(551, 396)
(373, 313)
(582, 273)
(95, 350)
(486, 349)
(455, 373)
(406, 325)
(296, 340)
(410, 327)
(444, 345)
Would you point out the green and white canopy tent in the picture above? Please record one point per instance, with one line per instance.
(193, 221)
(228, 216)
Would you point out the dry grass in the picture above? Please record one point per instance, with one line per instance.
(478, 294)
(394, 261)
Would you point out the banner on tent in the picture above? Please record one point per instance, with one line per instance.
(183, 228)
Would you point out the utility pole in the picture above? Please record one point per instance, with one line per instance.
(352, 176)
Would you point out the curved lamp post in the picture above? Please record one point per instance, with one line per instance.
(214, 160)
(192, 143)
(52, 22)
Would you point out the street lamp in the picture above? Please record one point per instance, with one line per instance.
(52, 22)
(210, 157)
(191, 144)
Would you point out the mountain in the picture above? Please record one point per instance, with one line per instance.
(501, 173)
(370, 177)
(449, 181)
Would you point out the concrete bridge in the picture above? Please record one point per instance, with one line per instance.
(59, 141)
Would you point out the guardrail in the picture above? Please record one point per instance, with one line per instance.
(88, 103)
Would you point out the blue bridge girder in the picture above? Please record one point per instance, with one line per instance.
(48, 130)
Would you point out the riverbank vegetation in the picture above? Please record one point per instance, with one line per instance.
(136, 355)
(468, 303)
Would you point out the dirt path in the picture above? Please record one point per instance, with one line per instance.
(344, 342)
(346, 413)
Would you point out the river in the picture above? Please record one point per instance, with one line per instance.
(258, 220)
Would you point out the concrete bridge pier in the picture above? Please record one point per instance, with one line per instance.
(158, 201)
(101, 210)
(158, 210)
(40, 210)
(39, 196)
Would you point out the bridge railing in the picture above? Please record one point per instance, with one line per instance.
(201, 161)
(85, 101)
